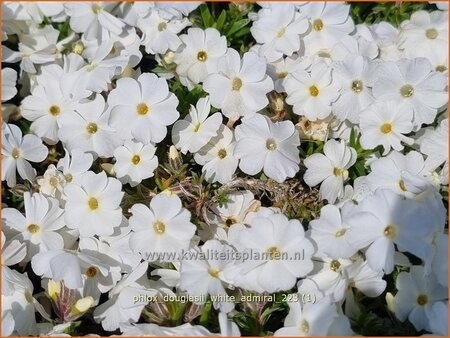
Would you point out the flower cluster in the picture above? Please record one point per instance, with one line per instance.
(262, 171)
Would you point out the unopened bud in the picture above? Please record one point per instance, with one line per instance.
(78, 47)
(175, 159)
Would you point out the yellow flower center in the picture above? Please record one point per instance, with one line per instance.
(318, 25)
(28, 297)
(402, 185)
(274, 253)
(96, 8)
(236, 84)
(335, 265)
(33, 228)
(136, 159)
(93, 203)
(337, 171)
(390, 231)
(313, 91)
(197, 127)
(271, 144)
(91, 271)
(162, 26)
(78, 47)
(281, 32)
(304, 326)
(386, 128)
(142, 109)
(222, 153)
(422, 300)
(230, 221)
(357, 86)
(15, 153)
(407, 91)
(431, 33)
(214, 272)
(54, 110)
(91, 128)
(202, 56)
(282, 75)
(159, 227)
(441, 68)
(68, 178)
(53, 181)
(341, 232)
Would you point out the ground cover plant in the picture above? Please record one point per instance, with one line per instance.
(189, 168)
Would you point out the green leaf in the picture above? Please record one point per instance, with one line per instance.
(208, 20)
(221, 20)
(238, 25)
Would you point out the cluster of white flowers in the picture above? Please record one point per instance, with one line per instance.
(374, 96)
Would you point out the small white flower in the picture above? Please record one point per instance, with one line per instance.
(413, 84)
(312, 93)
(239, 87)
(163, 228)
(269, 146)
(217, 157)
(142, 109)
(278, 29)
(417, 292)
(386, 123)
(17, 151)
(204, 277)
(74, 164)
(91, 18)
(330, 168)
(197, 128)
(135, 162)
(52, 183)
(88, 129)
(201, 52)
(93, 205)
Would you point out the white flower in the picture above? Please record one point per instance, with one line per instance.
(277, 241)
(217, 157)
(416, 295)
(93, 205)
(9, 78)
(142, 109)
(434, 144)
(403, 174)
(74, 164)
(120, 307)
(278, 29)
(312, 93)
(239, 87)
(424, 34)
(354, 73)
(36, 48)
(66, 266)
(201, 278)
(55, 95)
(330, 22)
(21, 303)
(52, 183)
(282, 69)
(98, 73)
(91, 18)
(271, 146)
(17, 151)
(385, 219)
(386, 123)
(330, 232)
(163, 228)
(413, 84)
(330, 168)
(308, 319)
(88, 129)
(13, 252)
(160, 34)
(195, 131)
(201, 52)
(135, 162)
(38, 227)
